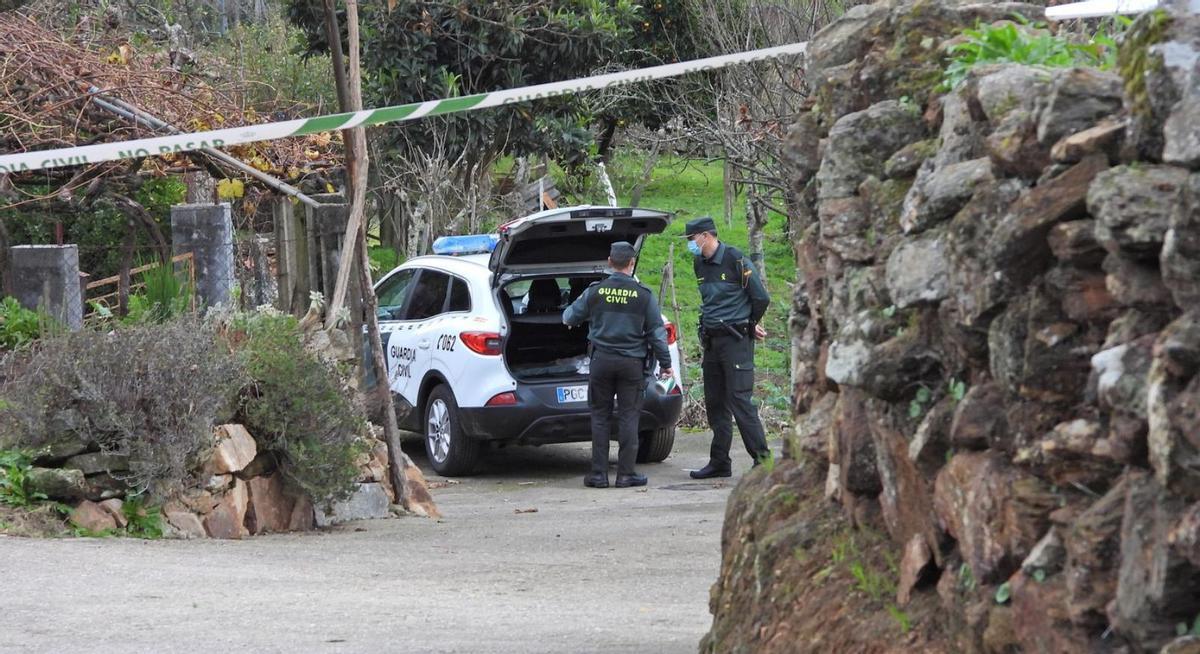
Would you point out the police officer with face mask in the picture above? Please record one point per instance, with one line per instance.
(733, 301)
(624, 320)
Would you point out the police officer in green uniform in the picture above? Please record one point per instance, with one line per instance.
(624, 320)
(733, 301)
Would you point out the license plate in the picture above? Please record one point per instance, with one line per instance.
(568, 394)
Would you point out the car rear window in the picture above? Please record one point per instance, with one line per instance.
(460, 296)
(429, 296)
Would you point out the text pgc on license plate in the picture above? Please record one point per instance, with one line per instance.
(572, 394)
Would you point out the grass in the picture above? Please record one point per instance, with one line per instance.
(690, 189)
(874, 580)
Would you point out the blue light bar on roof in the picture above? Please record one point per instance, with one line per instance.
(468, 244)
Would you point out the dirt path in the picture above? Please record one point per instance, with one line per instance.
(611, 570)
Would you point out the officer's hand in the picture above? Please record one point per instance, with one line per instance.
(759, 332)
(665, 373)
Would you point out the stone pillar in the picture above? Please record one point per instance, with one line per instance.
(327, 230)
(291, 257)
(46, 277)
(206, 230)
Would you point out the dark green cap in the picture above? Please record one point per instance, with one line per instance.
(621, 251)
(699, 226)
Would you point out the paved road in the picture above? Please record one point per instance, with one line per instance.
(613, 570)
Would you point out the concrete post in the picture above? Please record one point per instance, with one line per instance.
(206, 230)
(327, 227)
(291, 255)
(46, 277)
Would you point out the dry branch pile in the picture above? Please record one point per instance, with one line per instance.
(46, 102)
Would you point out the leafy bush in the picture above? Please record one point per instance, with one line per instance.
(165, 297)
(151, 392)
(1030, 44)
(18, 325)
(14, 483)
(142, 519)
(297, 405)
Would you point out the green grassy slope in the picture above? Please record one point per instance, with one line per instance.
(694, 190)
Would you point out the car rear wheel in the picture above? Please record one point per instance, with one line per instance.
(450, 452)
(655, 446)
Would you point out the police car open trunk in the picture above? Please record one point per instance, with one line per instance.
(538, 346)
(541, 264)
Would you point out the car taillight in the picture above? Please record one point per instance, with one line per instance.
(672, 333)
(486, 343)
(504, 399)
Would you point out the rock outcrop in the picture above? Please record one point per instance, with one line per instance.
(998, 363)
(239, 490)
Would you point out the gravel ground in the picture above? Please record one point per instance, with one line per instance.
(612, 570)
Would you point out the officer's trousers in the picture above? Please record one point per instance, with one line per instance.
(613, 375)
(728, 384)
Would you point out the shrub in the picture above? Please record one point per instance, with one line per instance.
(1030, 44)
(14, 482)
(18, 325)
(164, 297)
(150, 392)
(143, 520)
(297, 405)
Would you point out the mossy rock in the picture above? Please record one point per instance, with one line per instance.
(1135, 61)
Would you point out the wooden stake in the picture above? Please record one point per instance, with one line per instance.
(356, 244)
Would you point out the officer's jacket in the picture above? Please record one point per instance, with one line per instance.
(730, 289)
(624, 318)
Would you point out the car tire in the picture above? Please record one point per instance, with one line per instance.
(451, 453)
(655, 446)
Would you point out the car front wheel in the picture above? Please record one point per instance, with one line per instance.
(655, 446)
(450, 452)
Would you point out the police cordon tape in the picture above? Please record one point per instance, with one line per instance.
(1100, 8)
(87, 154)
(175, 143)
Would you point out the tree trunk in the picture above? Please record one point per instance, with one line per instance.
(756, 223)
(635, 196)
(730, 186)
(126, 263)
(201, 187)
(5, 273)
(398, 462)
(609, 192)
(346, 103)
(668, 281)
(608, 130)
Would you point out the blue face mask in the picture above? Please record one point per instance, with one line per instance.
(694, 248)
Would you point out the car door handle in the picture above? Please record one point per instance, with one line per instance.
(424, 345)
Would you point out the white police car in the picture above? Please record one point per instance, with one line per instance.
(476, 349)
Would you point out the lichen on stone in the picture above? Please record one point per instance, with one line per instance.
(1135, 60)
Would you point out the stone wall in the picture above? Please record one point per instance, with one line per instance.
(996, 333)
(240, 490)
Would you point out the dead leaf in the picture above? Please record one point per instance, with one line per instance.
(525, 510)
(391, 5)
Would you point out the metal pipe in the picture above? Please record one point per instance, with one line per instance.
(126, 110)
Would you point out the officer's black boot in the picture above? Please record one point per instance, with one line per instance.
(598, 480)
(627, 481)
(710, 471)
